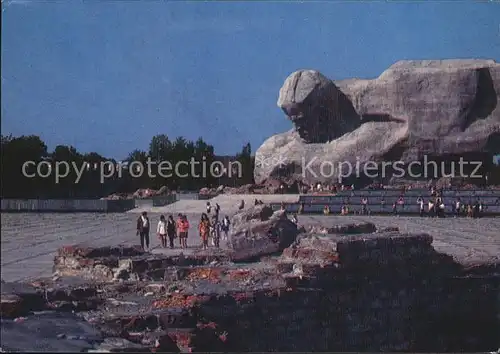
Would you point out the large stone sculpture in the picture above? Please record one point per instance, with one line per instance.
(415, 108)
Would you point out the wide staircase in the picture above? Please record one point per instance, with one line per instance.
(229, 203)
(380, 201)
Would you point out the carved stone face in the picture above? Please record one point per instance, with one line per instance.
(305, 123)
(315, 106)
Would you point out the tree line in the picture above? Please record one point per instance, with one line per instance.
(29, 170)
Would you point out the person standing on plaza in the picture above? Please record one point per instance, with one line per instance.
(143, 230)
(171, 230)
(216, 229)
(185, 231)
(225, 227)
(204, 229)
(217, 211)
(182, 229)
(364, 206)
(161, 231)
(178, 227)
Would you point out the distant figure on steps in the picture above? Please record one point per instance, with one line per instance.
(364, 206)
(225, 227)
(395, 208)
(242, 205)
(421, 203)
(301, 208)
(431, 208)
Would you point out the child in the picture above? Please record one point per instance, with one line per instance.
(161, 231)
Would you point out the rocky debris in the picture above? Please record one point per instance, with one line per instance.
(257, 232)
(314, 229)
(139, 194)
(360, 228)
(245, 189)
(49, 332)
(268, 186)
(123, 263)
(255, 213)
(95, 263)
(11, 305)
(212, 191)
(144, 193)
(345, 289)
(18, 299)
(118, 196)
(355, 251)
(123, 271)
(398, 116)
(89, 252)
(389, 229)
(120, 345)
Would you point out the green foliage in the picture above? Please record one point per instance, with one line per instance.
(16, 151)
(247, 163)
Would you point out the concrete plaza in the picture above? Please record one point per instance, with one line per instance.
(30, 241)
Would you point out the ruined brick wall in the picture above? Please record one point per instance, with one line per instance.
(366, 313)
(389, 292)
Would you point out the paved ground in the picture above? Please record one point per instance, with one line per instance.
(228, 202)
(29, 241)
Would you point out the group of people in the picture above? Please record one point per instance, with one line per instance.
(326, 188)
(169, 229)
(213, 228)
(436, 207)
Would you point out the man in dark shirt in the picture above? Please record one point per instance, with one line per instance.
(143, 230)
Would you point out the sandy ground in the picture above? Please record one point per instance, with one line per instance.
(29, 241)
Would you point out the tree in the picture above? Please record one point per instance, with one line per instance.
(160, 148)
(90, 181)
(63, 159)
(16, 152)
(247, 164)
(205, 157)
(194, 160)
(160, 151)
(137, 155)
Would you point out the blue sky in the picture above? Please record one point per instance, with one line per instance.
(106, 76)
